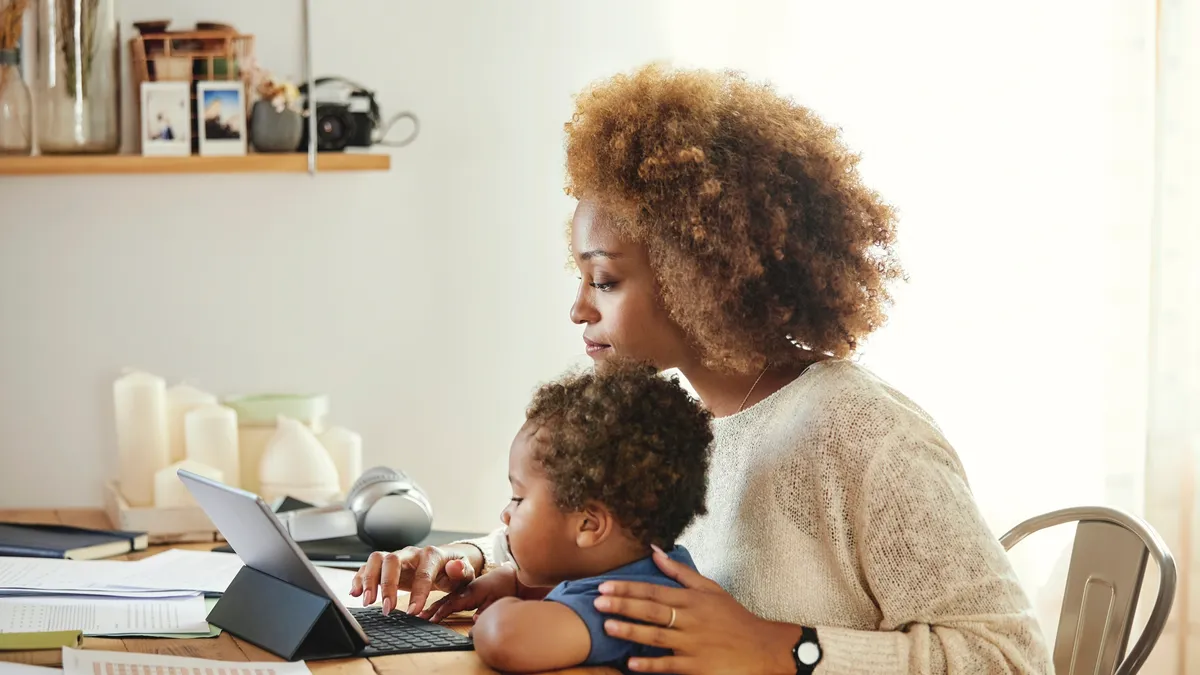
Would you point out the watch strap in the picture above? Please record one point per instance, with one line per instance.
(807, 652)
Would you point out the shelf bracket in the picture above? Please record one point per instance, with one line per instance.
(310, 101)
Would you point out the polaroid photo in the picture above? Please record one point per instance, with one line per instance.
(221, 118)
(166, 119)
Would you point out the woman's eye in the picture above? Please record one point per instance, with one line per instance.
(517, 500)
(603, 287)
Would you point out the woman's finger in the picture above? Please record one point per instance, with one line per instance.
(654, 636)
(428, 567)
(460, 571)
(639, 610)
(370, 576)
(640, 590)
(683, 665)
(389, 581)
(685, 575)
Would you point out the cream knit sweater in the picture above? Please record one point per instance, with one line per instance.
(837, 503)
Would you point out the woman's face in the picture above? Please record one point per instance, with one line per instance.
(618, 302)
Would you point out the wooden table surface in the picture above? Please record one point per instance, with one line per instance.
(225, 647)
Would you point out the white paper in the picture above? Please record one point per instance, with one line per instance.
(90, 662)
(9, 668)
(59, 574)
(103, 616)
(183, 569)
(128, 593)
(339, 582)
(212, 572)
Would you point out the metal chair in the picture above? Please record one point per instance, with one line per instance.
(1108, 563)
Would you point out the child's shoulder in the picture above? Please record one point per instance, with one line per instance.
(643, 570)
(580, 595)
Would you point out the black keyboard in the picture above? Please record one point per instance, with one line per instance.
(400, 633)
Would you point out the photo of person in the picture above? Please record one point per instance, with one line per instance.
(222, 115)
(221, 107)
(166, 121)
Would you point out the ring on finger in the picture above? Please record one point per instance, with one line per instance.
(671, 623)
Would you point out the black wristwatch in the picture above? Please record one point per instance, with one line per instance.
(807, 652)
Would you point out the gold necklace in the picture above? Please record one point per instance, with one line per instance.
(760, 377)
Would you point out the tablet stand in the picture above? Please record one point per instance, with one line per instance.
(286, 620)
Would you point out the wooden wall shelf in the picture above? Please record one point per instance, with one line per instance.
(48, 165)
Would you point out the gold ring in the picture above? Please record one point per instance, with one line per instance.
(671, 623)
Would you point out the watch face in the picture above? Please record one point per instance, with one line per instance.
(808, 653)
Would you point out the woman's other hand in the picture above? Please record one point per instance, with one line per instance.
(705, 626)
(416, 570)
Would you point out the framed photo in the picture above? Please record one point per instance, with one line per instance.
(221, 118)
(166, 119)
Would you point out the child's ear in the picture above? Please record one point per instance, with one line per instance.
(594, 525)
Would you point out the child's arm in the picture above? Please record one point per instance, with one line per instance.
(522, 636)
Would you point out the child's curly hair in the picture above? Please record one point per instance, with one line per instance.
(630, 439)
(751, 207)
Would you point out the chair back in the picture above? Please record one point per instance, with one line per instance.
(1104, 580)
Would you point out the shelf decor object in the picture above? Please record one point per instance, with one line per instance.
(78, 94)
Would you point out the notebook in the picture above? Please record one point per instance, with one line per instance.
(64, 541)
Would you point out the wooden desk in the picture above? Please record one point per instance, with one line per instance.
(225, 647)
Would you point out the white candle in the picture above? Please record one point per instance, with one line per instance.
(170, 492)
(181, 399)
(345, 447)
(140, 401)
(211, 434)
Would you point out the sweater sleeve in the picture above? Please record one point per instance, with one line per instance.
(949, 598)
(493, 546)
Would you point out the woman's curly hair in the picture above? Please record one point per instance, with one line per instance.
(630, 439)
(760, 230)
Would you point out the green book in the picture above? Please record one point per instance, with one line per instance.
(47, 640)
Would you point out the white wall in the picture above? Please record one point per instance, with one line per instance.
(428, 301)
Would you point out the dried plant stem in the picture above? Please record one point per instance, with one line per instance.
(12, 15)
(76, 32)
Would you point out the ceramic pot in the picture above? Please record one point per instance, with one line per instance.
(274, 131)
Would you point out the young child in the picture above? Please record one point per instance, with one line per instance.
(606, 466)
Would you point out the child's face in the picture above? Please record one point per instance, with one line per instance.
(541, 537)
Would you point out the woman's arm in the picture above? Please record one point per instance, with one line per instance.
(523, 636)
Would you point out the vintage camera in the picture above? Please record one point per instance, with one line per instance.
(345, 119)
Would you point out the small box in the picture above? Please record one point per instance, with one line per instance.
(176, 525)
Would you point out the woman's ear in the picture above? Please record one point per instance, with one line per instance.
(594, 525)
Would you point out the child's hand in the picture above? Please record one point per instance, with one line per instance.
(478, 595)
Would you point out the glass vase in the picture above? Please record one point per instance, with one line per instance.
(78, 94)
(16, 134)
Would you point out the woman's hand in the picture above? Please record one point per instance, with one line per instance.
(707, 629)
(417, 570)
(478, 595)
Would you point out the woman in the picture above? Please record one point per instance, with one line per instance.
(723, 230)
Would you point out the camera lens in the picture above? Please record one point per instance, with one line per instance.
(335, 127)
(331, 129)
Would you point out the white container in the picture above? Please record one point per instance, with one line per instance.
(211, 437)
(170, 492)
(345, 448)
(140, 402)
(295, 464)
(257, 415)
(181, 399)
